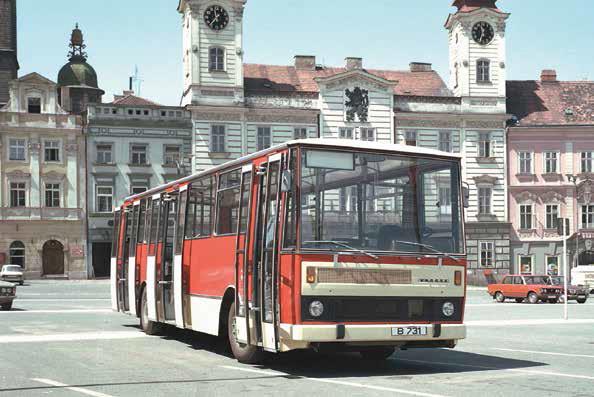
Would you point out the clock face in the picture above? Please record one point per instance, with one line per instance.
(216, 17)
(483, 33)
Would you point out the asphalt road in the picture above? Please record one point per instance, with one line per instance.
(61, 339)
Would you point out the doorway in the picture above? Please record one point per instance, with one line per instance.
(101, 259)
(53, 258)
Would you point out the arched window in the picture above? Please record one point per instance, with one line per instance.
(17, 254)
(216, 59)
(483, 73)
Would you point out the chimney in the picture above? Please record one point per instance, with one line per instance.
(128, 92)
(354, 63)
(548, 76)
(305, 62)
(420, 67)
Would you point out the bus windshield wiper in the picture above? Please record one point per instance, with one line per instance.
(427, 246)
(341, 244)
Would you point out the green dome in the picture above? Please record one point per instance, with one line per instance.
(77, 72)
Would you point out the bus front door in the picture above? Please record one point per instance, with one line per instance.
(123, 260)
(265, 282)
(164, 258)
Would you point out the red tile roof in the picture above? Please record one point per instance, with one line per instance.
(287, 80)
(471, 5)
(133, 100)
(551, 103)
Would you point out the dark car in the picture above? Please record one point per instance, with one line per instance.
(7, 295)
(579, 293)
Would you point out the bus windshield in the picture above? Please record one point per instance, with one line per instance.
(375, 202)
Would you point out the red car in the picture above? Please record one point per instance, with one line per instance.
(532, 288)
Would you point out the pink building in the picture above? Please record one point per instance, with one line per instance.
(550, 163)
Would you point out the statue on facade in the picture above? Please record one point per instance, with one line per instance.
(357, 104)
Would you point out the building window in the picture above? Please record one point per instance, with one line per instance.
(525, 162)
(18, 194)
(16, 254)
(146, 112)
(587, 161)
(104, 198)
(484, 194)
(138, 154)
(16, 150)
(217, 138)
(114, 111)
(138, 112)
(299, 133)
(550, 162)
(552, 211)
(104, 154)
(526, 214)
(368, 134)
(525, 264)
(487, 253)
(131, 112)
(34, 105)
(52, 195)
(445, 200)
(216, 59)
(457, 74)
(553, 265)
(138, 187)
(345, 133)
(172, 155)
(485, 145)
(105, 110)
(445, 141)
(482, 71)
(263, 138)
(411, 138)
(51, 150)
(587, 216)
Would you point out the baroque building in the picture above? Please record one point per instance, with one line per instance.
(551, 172)
(133, 144)
(240, 108)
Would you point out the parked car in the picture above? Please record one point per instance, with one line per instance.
(531, 288)
(579, 293)
(7, 295)
(12, 273)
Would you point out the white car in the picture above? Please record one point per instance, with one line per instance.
(12, 273)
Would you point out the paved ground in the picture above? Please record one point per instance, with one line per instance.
(61, 339)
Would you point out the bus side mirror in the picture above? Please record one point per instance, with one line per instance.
(466, 196)
(286, 181)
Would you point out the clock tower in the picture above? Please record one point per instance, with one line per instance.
(477, 51)
(212, 52)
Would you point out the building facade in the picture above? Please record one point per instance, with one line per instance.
(551, 174)
(133, 144)
(42, 218)
(240, 108)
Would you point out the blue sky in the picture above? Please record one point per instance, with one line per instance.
(386, 33)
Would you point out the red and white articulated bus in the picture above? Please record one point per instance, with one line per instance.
(310, 244)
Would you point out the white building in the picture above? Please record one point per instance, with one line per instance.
(133, 144)
(239, 108)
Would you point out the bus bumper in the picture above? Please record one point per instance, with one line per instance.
(299, 336)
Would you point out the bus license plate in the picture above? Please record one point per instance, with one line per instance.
(409, 331)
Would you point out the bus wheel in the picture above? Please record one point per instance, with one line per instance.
(149, 327)
(377, 353)
(246, 354)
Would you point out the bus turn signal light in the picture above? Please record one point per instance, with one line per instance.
(311, 275)
(458, 277)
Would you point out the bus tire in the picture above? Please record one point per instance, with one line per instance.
(377, 353)
(149, 327)
(247, 354)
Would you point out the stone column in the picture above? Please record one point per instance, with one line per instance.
(72, 178)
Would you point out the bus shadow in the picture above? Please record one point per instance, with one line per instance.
(403, 363)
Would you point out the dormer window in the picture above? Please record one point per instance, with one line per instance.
(483, 74)
(34, 105)
(216, 59)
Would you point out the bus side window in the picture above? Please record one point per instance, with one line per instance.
(140, 239)
(228, 202)
(155, 209)
(200, 201)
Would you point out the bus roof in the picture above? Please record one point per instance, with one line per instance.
(313, 142)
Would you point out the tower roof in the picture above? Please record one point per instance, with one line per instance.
(463, 4)
(77, 72)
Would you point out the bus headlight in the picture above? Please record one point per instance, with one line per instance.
(316, 308)
(448, 309)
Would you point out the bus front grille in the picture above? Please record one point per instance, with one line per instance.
(364, 276)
